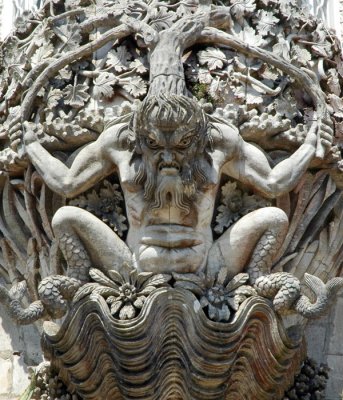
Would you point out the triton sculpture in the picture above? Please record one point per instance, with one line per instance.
(241, 119)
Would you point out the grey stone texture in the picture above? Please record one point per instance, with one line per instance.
(179, 161)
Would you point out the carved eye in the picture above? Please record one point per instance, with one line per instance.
(186, 141)
(151, 143)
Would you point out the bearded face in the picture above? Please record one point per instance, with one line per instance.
(171, 136)
(171, 169)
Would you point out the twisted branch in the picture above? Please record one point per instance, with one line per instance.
(212, 35)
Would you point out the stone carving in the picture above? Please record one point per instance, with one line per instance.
(123, 123)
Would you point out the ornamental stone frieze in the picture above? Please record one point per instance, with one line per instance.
(171, 194)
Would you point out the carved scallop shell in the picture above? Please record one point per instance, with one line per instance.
(173, 351)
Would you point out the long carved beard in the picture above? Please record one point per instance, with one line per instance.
(172, 190)
(170, 193)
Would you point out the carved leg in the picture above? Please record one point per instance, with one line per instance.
(251, 244)
(86, 241)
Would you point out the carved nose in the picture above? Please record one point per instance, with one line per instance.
(167, 156)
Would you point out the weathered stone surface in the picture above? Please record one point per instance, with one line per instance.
(335, 384)
(222, 180)
(178, 353)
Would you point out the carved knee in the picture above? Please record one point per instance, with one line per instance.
(64, 217)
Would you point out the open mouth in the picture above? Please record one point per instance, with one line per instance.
(172, 166)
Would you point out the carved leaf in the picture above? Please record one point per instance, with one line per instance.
(301, 55)
(69, 35)
(236, 301)
(84, 291)
(266, 22)
(103, 85)
(53, 97)
(204, 76)
(161, 18)
(189, 286)
(105, 205)
(135, 86)
(157, 280)
(198, 280)
(106, 291)
(100, 277)
(119, 58)
(147, 290)
(75, 96)
(237, 281)
(138, 65)
(127, 312)
(222, 275)
(235, 204)
(115, 306)
(337, 105)
(142, 277)
(65, 73)
(42, 53)
(212, 57)
(241, 7)
(249, 35)
(248, 94)
(139, 302)
(333, 82)
(282, 48)
(115, 276)
(286, 105)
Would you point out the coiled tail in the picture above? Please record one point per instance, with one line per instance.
(325, 293)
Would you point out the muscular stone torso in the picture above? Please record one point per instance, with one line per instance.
(168, 236)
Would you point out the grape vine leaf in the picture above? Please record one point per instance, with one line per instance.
(119, 58)
(103, 85)
(212, 57)
(135, 86)
(75, 96)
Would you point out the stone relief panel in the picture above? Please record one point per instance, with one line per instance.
(171, 179)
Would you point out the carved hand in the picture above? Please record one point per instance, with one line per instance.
(21, 135)
(29, 136)
(325, 134)
(15, 134)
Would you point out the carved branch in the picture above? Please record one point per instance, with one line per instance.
(115, 33)
(166, 69)
(212, 35)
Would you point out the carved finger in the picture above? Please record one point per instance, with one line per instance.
(15, 128)
(326, 136)
(14, 122)
(15, 144)
(16, 135)
(325, 143)
(327, 129)
(328, 121)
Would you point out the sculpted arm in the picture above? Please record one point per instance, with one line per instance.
(89, 166)
(251, 166)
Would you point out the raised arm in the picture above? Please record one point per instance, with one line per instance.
(89, 166)
(251, 166)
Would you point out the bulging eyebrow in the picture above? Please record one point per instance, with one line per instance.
(189, 132)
